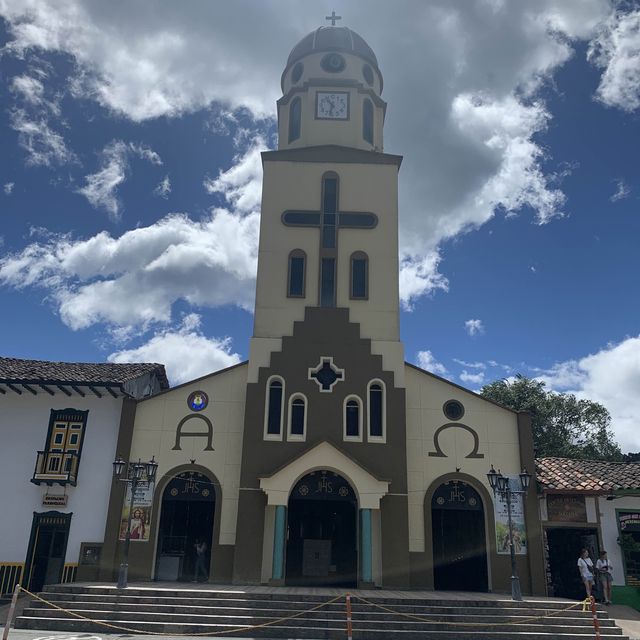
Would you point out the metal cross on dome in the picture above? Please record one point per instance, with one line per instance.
(333, 17)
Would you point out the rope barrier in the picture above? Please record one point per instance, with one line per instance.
(588, 602)
(467, 624)
(164, 633)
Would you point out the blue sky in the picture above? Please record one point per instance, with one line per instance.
(130, 182)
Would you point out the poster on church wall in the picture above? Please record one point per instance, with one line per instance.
(517, 521)
(141, 514)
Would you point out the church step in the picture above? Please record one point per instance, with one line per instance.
(382, 617)
(328, 631)
(208, 611)
(156, 594)
(574, 618)
(455, 607)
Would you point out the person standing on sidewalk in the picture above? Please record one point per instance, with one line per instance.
(605, 575)
(585, 566)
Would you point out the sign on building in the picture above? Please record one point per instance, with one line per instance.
(519, 530)
(141, 513)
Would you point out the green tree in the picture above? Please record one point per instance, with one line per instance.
(563, 426)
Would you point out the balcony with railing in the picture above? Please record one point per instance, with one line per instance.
(56, 467)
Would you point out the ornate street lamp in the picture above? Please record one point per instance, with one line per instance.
(138, 473)
(500, 485)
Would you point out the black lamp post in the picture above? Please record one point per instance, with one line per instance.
(500, 485)
(138, 473)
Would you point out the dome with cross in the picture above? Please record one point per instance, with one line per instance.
(332, 51)
(333, 39)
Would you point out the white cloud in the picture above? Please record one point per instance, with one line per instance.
(472, 378)
(8, 188)
(463, 85)
(31, 89)
(429, 363)
(101, 188)
(617, 49)
(184, 351)
(471, 365)
(474, 327)
(622, 190)
(43, 145)
(241, 185)
(612, 377)
(164, 188)
(133, 280)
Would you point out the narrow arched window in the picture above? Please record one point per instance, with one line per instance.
(367, 121)
(297, 274)
(359, 276)
(376, 411)
(275, 391)
(297, 418)
(295, 116)
(352, 418)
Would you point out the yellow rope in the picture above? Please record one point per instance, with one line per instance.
(464, 624)
(164, 633)
(301, 613)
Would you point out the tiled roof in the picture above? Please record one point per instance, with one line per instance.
(590, 476)
(15, 370)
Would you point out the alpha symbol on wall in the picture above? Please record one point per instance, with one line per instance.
(208, 433)
(326, 374)
(439, 453)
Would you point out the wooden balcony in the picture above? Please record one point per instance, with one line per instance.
(56, 467)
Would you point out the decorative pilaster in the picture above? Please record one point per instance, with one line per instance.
(277, 571)
(366, 574)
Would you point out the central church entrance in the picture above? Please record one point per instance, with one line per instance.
(459, 541)
(186, 521)
(322, 532)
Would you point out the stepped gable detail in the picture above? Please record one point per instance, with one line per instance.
(325, 333)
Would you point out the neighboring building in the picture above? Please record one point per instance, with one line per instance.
(59, 424)
(595, 505)
(326, 459)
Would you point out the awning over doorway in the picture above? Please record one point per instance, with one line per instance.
(369, 489)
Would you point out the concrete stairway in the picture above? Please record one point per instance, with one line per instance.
(194, 611)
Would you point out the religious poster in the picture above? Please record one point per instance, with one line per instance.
(565, 508)
(519, 530)
(141, 514)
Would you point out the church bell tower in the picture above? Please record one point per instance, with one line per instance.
(329, 227)
(325, 400)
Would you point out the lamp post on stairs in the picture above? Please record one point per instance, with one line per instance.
(138, 474)
(500, 486)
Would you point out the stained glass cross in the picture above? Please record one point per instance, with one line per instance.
(329, 220)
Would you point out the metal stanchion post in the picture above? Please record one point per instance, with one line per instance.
(12, 611)
(594, 614)
(349, 624)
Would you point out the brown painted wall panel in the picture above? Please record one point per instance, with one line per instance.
(248, 558)
(395, 542)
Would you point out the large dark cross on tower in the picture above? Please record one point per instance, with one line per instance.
(333, 17)
(329, 219)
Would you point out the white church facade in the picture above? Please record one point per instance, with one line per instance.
(326, 459)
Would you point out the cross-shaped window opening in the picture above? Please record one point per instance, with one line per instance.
(330, 219)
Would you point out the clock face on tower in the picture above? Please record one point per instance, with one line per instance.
(332, 106)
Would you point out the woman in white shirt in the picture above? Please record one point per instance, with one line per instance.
(585, 566)
(605, 576)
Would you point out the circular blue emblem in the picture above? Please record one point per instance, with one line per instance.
(198, 400)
